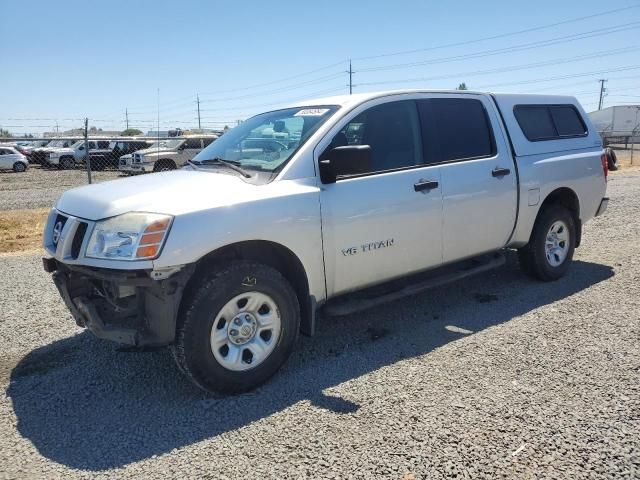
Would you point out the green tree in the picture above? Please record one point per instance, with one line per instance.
(4, 133)
(462, 86)
(131, 132)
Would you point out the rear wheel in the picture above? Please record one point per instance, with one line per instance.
(67, 163)
(237, 329)
(19, 167)
(612, 159)
(549, 252)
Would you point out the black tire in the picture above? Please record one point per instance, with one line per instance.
(98, 163)
(67, 163)
(192, 350)
(164, 165)
(612, 159)
(533, 259)
(19, 167)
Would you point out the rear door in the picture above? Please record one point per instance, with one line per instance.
(192, 147)
(381, 224)
(479, 184)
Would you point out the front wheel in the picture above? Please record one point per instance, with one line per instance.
(237, 328)
(549, 252)
(164, 166)
(19, 167)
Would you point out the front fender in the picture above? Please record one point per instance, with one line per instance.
(287, 214)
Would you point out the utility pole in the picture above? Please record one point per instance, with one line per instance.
(602, 90)
(350, 72)
(198, 102)
(126, 117)
(57, 129)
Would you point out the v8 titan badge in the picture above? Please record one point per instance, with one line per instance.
(367, 247)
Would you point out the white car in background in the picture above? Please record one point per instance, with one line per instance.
(12, 159)
(164, 155)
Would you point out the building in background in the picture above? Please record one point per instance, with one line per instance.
(618, 124)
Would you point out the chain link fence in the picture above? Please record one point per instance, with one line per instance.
(35, 171)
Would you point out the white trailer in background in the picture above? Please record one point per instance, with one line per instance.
(618, 124)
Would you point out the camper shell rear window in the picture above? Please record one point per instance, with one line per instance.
(549, 122)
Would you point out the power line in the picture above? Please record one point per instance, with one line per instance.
(511, 68)
(291, 77)
(281, 89)
(502, 35)
(278, 102)
(563, 77)
(510, 49)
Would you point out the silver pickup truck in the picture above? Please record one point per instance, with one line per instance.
(332, 205)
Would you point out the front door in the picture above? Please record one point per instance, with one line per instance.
(387, 222)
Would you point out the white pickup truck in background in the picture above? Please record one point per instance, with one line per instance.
(294, 210)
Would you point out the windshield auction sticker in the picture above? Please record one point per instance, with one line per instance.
(311, 112)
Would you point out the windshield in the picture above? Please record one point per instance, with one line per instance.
(77, 144)
(267, 141)
(56, 143)
(166, 144)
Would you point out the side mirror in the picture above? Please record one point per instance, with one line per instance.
(344, 161)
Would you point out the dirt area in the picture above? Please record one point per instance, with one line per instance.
(21, 230)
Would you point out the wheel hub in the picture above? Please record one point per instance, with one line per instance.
(557, 243)
(245, 331)
(242, 328)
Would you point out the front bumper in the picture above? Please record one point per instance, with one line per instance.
(123, 306)
(136, 168)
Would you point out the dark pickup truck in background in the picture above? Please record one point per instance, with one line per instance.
(108, 157)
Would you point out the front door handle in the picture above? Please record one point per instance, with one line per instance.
(500, 172)
(423, 185)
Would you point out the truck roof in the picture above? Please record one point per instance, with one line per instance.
(507, 103)
(356, 98)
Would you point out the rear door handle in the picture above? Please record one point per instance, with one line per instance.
(500, 172)
(423, 185)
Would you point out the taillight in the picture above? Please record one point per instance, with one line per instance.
(605, 165)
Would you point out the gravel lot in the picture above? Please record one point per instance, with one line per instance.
(496, 376)
(37, 187)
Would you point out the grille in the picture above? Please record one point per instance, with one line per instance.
(58, 225)
(77, 239)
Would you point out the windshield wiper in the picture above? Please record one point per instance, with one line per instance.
(221, 161)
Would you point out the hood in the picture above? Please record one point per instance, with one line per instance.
(173, 193)
(148, 151)
(57, 150)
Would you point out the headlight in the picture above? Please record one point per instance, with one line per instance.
(132, 236)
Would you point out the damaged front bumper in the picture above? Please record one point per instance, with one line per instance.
(127, 307)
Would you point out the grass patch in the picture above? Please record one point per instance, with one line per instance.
(21, 230)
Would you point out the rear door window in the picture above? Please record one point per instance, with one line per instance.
(455, 129)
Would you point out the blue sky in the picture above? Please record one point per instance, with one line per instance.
(70, 59)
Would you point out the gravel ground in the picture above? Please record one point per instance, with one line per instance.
(496, 376)
(37, 187)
